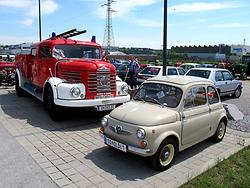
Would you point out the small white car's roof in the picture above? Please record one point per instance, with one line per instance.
(211, 69)
(181, 80)
(189, 64)
(158, 66)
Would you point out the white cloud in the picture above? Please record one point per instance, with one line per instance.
(201, 6)
(47, 7)
(148, 23)
(229, 25)
(123, 7)
(16, 3)
(27, 22)
(30, 8)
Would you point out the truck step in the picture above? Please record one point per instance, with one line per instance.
(33, 90)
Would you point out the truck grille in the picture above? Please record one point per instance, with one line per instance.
(73, 77)
(101, 82)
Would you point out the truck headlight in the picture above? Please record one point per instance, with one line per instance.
(124, 89)
(141, 133)
(75, 92)
(104, 122)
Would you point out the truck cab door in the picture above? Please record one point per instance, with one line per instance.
(44, 63)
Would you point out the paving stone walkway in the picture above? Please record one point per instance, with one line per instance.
(72, 154)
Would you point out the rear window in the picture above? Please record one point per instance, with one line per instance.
(150, 71)
(172, 71)
(199, 73)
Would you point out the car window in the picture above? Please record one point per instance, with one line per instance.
(181, 71)
(45, 52)
(172, 71)
(227, 75)
(199, 73)
(162, 94)
(150, 71)
(212, 95)
(196, 96)
(218, 76)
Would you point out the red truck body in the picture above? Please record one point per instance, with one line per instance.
(64, 72)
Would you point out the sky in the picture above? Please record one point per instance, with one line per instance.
(136, 23)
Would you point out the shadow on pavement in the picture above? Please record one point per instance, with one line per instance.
(31, 109)
(127, 166)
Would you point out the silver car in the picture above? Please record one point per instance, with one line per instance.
(222, 78)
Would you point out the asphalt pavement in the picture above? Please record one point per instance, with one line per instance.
(18, 169)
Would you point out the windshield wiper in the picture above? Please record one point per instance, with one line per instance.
(154, 101)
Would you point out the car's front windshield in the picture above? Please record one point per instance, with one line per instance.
(61, 51)
(165, 95)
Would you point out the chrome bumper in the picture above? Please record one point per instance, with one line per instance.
(131, 149)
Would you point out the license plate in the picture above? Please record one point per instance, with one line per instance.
(116, 144)
(106, 107)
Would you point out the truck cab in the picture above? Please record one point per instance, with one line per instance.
(63, 72)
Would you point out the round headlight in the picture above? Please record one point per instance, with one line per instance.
(75, 92)
(124, 89)
(104, 122)
(141, 134)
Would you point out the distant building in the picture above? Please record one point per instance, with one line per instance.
(240, 50)
(23, 48)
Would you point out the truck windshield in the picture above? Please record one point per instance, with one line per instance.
(76, 51)
(162, 94)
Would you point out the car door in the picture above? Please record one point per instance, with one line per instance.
(229, 81)
(220, 82)
(195, 116)
(214, 108)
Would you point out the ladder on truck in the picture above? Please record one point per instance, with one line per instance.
(68, 34)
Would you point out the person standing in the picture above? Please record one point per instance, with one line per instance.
(133, 67)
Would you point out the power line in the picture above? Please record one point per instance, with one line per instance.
(109, 39)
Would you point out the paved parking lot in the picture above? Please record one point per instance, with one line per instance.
(72, 154)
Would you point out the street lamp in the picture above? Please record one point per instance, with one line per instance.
(165, 38)
(39, 18)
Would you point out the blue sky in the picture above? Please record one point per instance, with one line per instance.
(136, 23)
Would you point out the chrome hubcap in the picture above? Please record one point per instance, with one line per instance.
(221, 130)
(167, 154)
(237, 92)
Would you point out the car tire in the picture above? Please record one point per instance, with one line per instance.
(237, 92)
(51, 107)
(19, 91)
(165, 155)
(220, 132)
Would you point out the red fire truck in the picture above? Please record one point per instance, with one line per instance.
(63, 72)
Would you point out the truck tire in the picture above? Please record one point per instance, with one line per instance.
(19, 91)
(51, 107)
(165, 154)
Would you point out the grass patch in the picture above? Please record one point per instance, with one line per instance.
(233, 172)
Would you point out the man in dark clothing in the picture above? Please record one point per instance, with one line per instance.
(133, 67)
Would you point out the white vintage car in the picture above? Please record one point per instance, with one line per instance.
(167, 115)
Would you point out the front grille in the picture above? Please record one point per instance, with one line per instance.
(72, 76)
(101, 82)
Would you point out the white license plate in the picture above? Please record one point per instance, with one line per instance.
(106, 107)
(116, 144)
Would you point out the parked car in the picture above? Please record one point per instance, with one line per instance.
(222, 78)
(187, 66)
(167, 114)
(152, 71)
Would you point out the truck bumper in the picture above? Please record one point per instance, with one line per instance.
(92, 102)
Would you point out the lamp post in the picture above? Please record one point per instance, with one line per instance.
(39, 19)
(165, 38)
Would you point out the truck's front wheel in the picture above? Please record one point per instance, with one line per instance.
(51, 107)
(19, 91)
